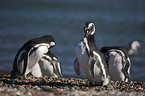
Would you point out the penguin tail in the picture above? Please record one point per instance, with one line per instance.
(15, 74)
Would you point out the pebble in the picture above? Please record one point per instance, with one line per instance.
(48, 86)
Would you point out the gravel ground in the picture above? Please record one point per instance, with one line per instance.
(48, 86)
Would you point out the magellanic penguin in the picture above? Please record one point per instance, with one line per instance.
(28, 56)
(90, 58)
(134, 46)
(118, 62)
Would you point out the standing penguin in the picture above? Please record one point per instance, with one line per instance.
(28, 56)
(134, 47)
(118, 62)
(90, 58)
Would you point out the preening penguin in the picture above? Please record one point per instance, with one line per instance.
(118, 62)
(90, 58)
(28, 56)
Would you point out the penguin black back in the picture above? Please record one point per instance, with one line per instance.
(24, 51)
(45, 39)
(107, 48)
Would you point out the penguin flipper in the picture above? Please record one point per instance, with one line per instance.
(77, 66)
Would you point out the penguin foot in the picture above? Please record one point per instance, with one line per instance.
(93, 84)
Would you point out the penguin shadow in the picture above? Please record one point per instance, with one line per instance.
(32, 81)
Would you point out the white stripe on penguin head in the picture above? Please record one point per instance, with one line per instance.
(52, 43)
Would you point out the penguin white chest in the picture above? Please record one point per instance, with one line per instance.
(82, 55)
(35, 57)
(115, 67)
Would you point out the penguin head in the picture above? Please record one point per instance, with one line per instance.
(50, 40)
(135, 45)
(89, 29)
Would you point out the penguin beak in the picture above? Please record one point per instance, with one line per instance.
(87, 30)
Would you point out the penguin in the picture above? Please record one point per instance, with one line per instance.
(118, 62)
(134, 46)
(27, 58)
(90, 58)
(50, 65)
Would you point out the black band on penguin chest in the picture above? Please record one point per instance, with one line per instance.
(90, 48)
(86, 48)
(94, 59)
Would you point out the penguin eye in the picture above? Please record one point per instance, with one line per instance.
(87, 30)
